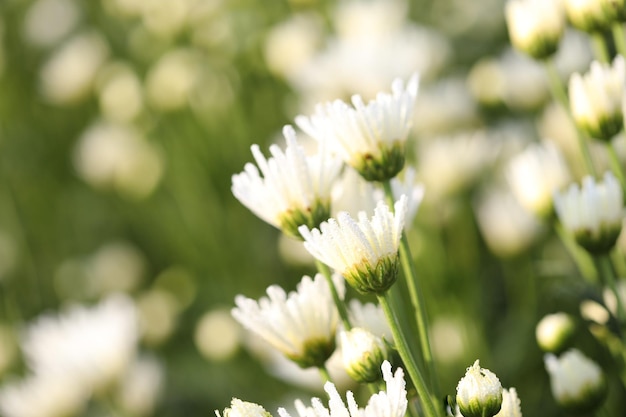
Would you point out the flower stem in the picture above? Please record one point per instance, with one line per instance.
(580, 256)
(616, 165)
(559, 92)
(618, 38)
(408, 360)
(600, 48)
(324, 374)
(341, 307)
(417, 300)
(607, 273)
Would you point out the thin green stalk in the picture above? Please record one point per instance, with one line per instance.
(341, 306)
(601, 51)
(607, 273)
(417, 300)
(618, 38)
(324, 374)
(616, 165)
(409, 361)
(559, 92)
(580, 256)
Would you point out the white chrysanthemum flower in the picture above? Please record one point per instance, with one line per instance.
(43, 395)
(597, 98)
(240, 408)
(92, 345)
(479, 392)
(535, 26)
(554, 331)
(363, 353)
(142, 386)
(588, 15)
(392, 402)
(301, 324)
(369, 137)
(511, 404)
(535, 174)
(364, 251)
(592, 213)
(294, 188)
(577, 382)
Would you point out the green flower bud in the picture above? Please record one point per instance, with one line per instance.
(479, 392)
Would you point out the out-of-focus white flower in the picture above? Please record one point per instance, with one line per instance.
(115, 156)
(172, 80)
(377, 35)
(507, 227)
(363, 354)
(365, 252)
(114, 267)
(443, 107)
(452, 164)
(91, 345)
(240, 408)
(353, 194)
(120, 93)
(535, 26)
(511, 404)
(217, 335)
(294, 189)
(574, 55)
(158, 311)
(535, 174)
(593, 213)
(479, 392)
(43, 395)
(392, 402)
(554, 331)
(577, 382)
(141, 386)
(610, 300)
(594, 311)
(48, 21)
(68, 75)
(369, 316)
(301, 324)
(448, 336)
(290, 45)
(165, 17)
(588, 15)
(369, 137)
(597, 99)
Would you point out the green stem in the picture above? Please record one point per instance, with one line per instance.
(601, 51)
(580, 256)
(616, 165)
(417, 300)
(559, 92)
(341, 306)
(408, 360)
(324, 374)
(607, 273)
(618, 37)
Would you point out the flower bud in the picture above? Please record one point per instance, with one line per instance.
(535, 26)
(592, 213)
(363, 354)
(240, 408)
(588, 15)
(578, 384)
(479, 392)
(554, 331)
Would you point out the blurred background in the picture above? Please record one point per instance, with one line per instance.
(122, 122)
